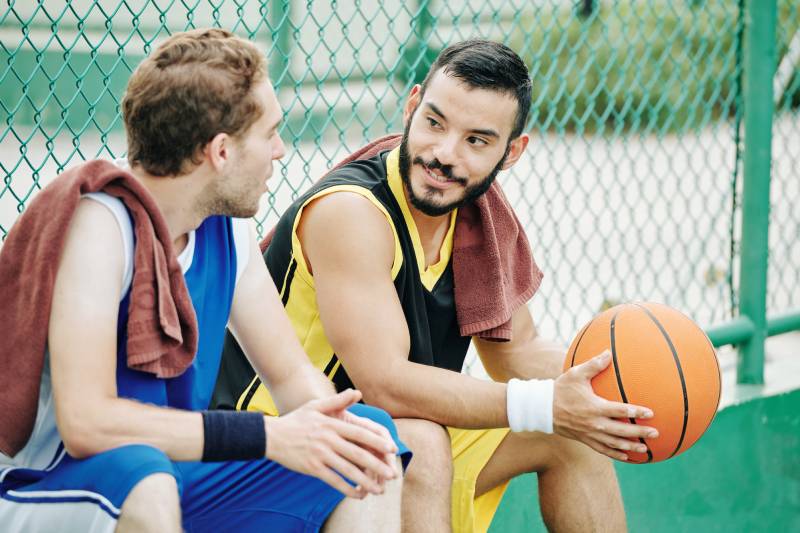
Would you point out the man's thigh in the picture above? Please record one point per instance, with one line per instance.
(473, 449)
(262, 495)
(254, 495)
(83, 495)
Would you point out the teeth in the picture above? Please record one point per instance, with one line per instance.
(441, 179)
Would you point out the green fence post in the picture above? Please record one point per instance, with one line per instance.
(281, 23)
(417, 53)
(759, 67)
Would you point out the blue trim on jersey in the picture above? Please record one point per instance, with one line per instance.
(211, 280)
(56, 456)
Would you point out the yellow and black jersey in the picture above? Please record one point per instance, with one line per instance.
(426, 294)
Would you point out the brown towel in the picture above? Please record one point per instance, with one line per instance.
(162, 327)
(488, 238)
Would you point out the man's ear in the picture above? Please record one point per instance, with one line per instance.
(217, 151)
(412, 101)
(515, 150)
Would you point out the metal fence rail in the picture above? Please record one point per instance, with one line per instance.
(656, 127)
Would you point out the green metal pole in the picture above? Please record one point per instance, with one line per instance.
(417, 56)
(426, 20)
(737, 331)
(281, 23)
(759, 67)
(740, 329)
(784, 322)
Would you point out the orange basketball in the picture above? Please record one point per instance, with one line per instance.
(660, 360)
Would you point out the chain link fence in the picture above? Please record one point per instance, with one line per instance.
(784, 267)
(629, 190)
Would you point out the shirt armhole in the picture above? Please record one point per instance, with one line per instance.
(297, 248)
(125, 226)
(241, 240)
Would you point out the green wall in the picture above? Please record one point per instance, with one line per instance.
(743, 475)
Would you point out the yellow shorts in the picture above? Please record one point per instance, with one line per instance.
(472, 449)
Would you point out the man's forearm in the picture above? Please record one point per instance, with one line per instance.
(419, 391)
(527, 356)
(411, 390)
(536, 358)
(306, 383)
(118, 422)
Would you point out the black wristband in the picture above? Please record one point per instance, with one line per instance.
(233, 436)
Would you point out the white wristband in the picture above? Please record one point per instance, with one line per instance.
(529, 405)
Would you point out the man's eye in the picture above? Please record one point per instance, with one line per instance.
(476, 141)
(433, 122)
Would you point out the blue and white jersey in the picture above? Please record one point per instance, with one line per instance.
(212, 262)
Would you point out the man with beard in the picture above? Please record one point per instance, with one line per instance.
(363, 263)
(122, 440)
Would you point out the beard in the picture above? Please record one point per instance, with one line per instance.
(226, 199)
(427, 203)
(240, 207)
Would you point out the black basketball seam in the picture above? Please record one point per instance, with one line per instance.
(619, 379)
(680, 374)
(578, 342)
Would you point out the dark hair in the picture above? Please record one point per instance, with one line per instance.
(196, 85)
(488, 65)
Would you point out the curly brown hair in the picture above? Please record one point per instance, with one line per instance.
(195, 85)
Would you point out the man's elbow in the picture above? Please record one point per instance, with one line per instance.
(550, 357)
(77, 445)
(384, 393)
(81, 438)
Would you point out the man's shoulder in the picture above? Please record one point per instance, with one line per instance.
(347, 212)
(348, 204)
(367, 172)
(97, 208)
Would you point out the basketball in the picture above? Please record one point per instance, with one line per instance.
(660, 359)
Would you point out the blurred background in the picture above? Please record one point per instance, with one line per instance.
(664, 163)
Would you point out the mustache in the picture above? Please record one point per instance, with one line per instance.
(446, 170)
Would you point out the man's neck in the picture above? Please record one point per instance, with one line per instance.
(177, 200)
(432, 231)
(430, 227)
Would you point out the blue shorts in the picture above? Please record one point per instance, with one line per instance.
(87, 494)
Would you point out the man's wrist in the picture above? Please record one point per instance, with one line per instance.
(268, 430)
(233, 436)
(529, 405)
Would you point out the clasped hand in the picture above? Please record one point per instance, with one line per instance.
(324, 440)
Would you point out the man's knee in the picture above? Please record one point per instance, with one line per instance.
(433, 458)
(375, 414)
(154, 497)
(554, 452)
(153, 491)
(383, 418)
(153, 500)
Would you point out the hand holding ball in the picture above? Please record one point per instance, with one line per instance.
(659, 359)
